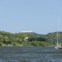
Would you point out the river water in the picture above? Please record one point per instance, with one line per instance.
(30, 54)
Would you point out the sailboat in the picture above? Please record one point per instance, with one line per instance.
(58, 44)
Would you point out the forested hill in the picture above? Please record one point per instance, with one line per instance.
(28, 39)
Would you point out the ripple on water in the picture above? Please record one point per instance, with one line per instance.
(30, 54)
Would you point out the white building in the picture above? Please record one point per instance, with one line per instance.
(25, 31)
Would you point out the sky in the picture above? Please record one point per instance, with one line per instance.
(39, 16)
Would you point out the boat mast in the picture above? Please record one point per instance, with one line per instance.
(57, 38)
(57, 32)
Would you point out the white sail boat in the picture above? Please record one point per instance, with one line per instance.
(58, 44)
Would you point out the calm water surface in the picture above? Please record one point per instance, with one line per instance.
(30, 54)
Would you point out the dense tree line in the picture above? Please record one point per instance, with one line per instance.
(28, 39)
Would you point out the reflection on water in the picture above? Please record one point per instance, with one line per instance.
(30, 54)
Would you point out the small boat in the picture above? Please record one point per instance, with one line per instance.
(58, 44)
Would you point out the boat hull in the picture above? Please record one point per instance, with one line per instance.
(58, 47)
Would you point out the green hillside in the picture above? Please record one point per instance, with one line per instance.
(28, 39)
